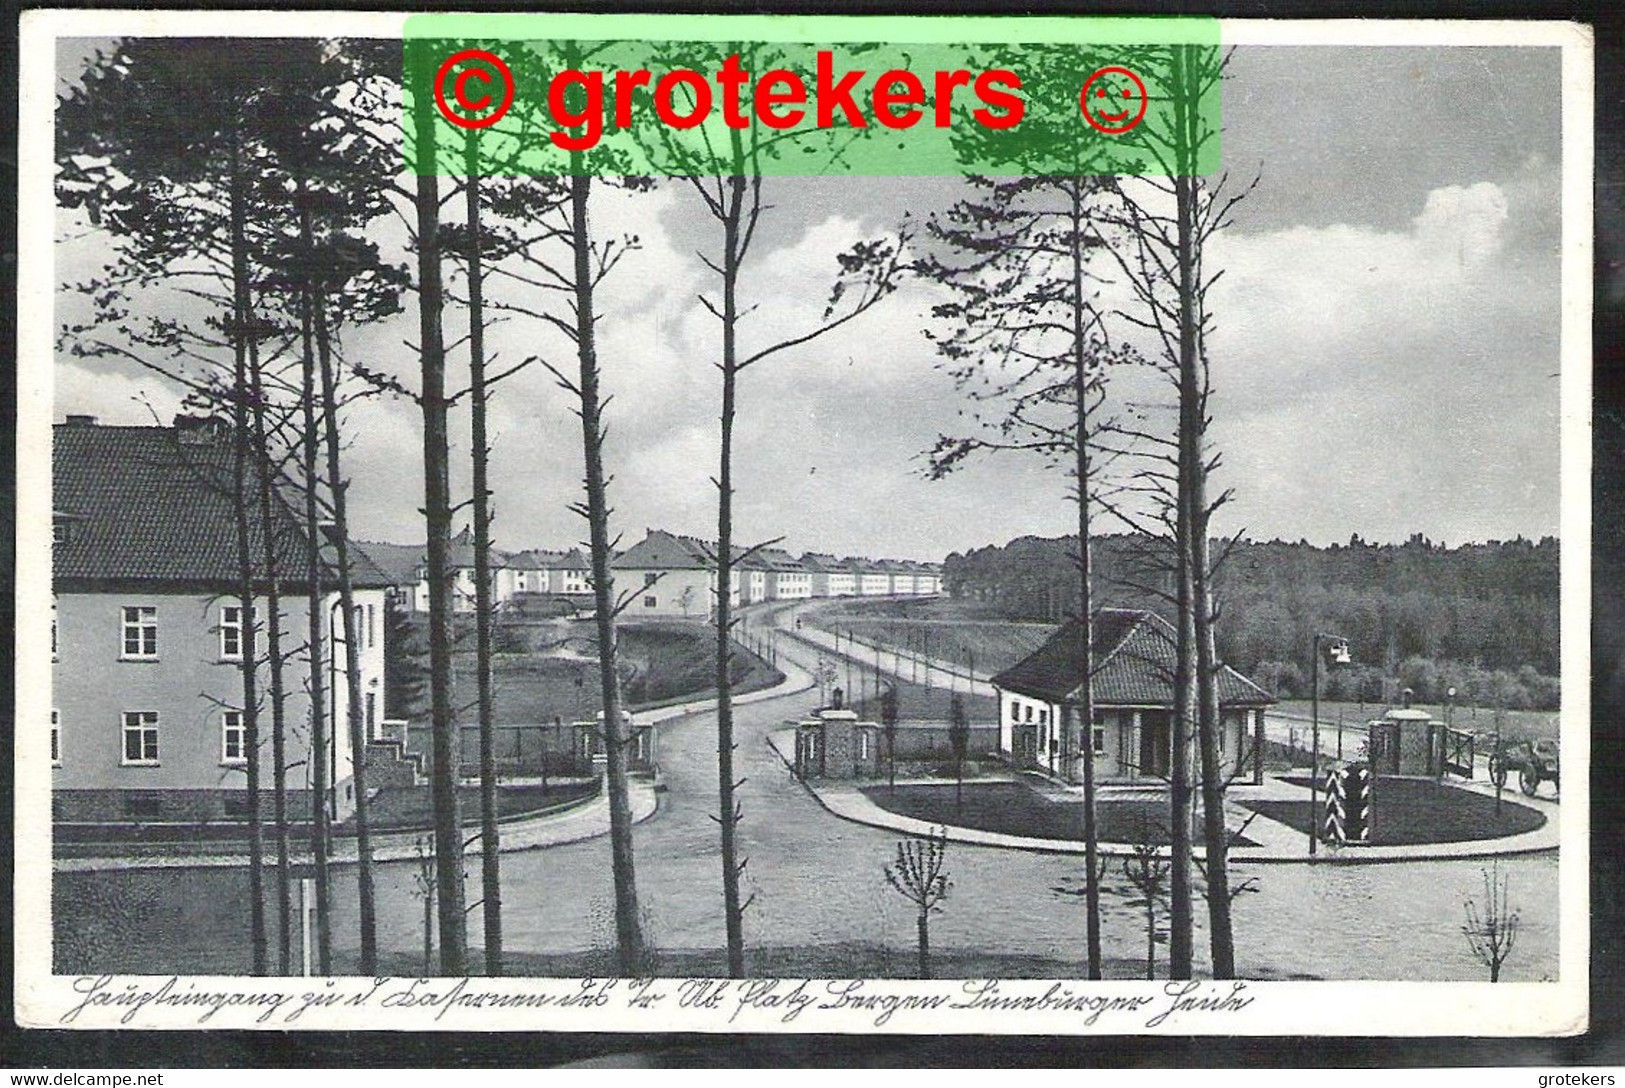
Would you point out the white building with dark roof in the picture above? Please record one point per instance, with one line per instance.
(148, 635)
(1133, 658)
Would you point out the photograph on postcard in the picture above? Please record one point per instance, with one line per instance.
(821, 524)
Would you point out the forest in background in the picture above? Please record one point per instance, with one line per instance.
(1482, 618)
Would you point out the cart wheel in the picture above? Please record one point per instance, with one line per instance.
(1498, 772)
(1529, 780)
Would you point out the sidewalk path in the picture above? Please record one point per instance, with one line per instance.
(1276, 842)
(893, 660)
(584, 821)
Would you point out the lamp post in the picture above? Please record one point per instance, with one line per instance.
(1337, 653)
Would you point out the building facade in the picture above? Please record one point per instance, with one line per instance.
(149, 635)
(1133, 654)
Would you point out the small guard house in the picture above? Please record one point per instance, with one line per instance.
(1134, 654)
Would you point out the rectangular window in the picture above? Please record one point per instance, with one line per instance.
(1029, 712)
(372, 629)
(650, 579)
(140, 738)
(231, 632)
(649, 602)
(140, 633)
(1043, 715)
(56, 738)
(233, 741)
(1015, 711)
(1099, 732)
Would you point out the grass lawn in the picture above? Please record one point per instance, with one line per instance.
(916, 702)
(1011, 808)
(1413, 811)
(993, 645)
(1515, 724)
(407, 808)
(659, 663)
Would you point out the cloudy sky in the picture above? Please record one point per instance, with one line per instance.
(1385, 352)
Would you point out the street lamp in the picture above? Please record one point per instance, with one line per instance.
(1337, 653)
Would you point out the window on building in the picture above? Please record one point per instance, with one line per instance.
(865, 744)
(650, 579)
(1099, 734)
(233, 741)
(56, 738)
(140, 738)
(1015, 710)
(1043, 715)
(140, 633)
(1029, 712)
(649, 602)
(372, 629)
(231, 632)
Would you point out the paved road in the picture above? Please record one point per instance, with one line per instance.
(817, 881)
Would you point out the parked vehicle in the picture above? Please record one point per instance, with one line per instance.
(1534, 761)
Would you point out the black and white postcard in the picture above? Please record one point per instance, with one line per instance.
(820, 524)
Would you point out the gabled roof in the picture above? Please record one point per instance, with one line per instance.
(461, 552)
(1134, 655)
(778, 559)
(660, 550)
(821, 562)
(157, 504)
(399, 562)
(547, 559)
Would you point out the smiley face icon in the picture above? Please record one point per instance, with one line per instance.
(1113, 100)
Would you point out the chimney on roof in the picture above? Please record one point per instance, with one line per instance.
(81, 421)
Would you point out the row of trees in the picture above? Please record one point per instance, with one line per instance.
(1492, 605)
(1063, 280)
(235, 238)
(269, 206)
(276, 194)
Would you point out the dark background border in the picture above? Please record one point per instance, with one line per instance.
(1603, 1045)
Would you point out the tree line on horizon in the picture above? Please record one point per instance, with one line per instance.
(1481, 617)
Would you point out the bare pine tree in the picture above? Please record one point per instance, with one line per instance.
(1492, 929)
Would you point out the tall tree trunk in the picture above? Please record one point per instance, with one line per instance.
(628, 926)
(1086, 689)
(271, 545)
(338, 487)
(320, 827)
(242, 332)
(1194, 388)
(1209, 722)
(490, 847)
(1188, 667)
(448, 833)
(728, 814)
